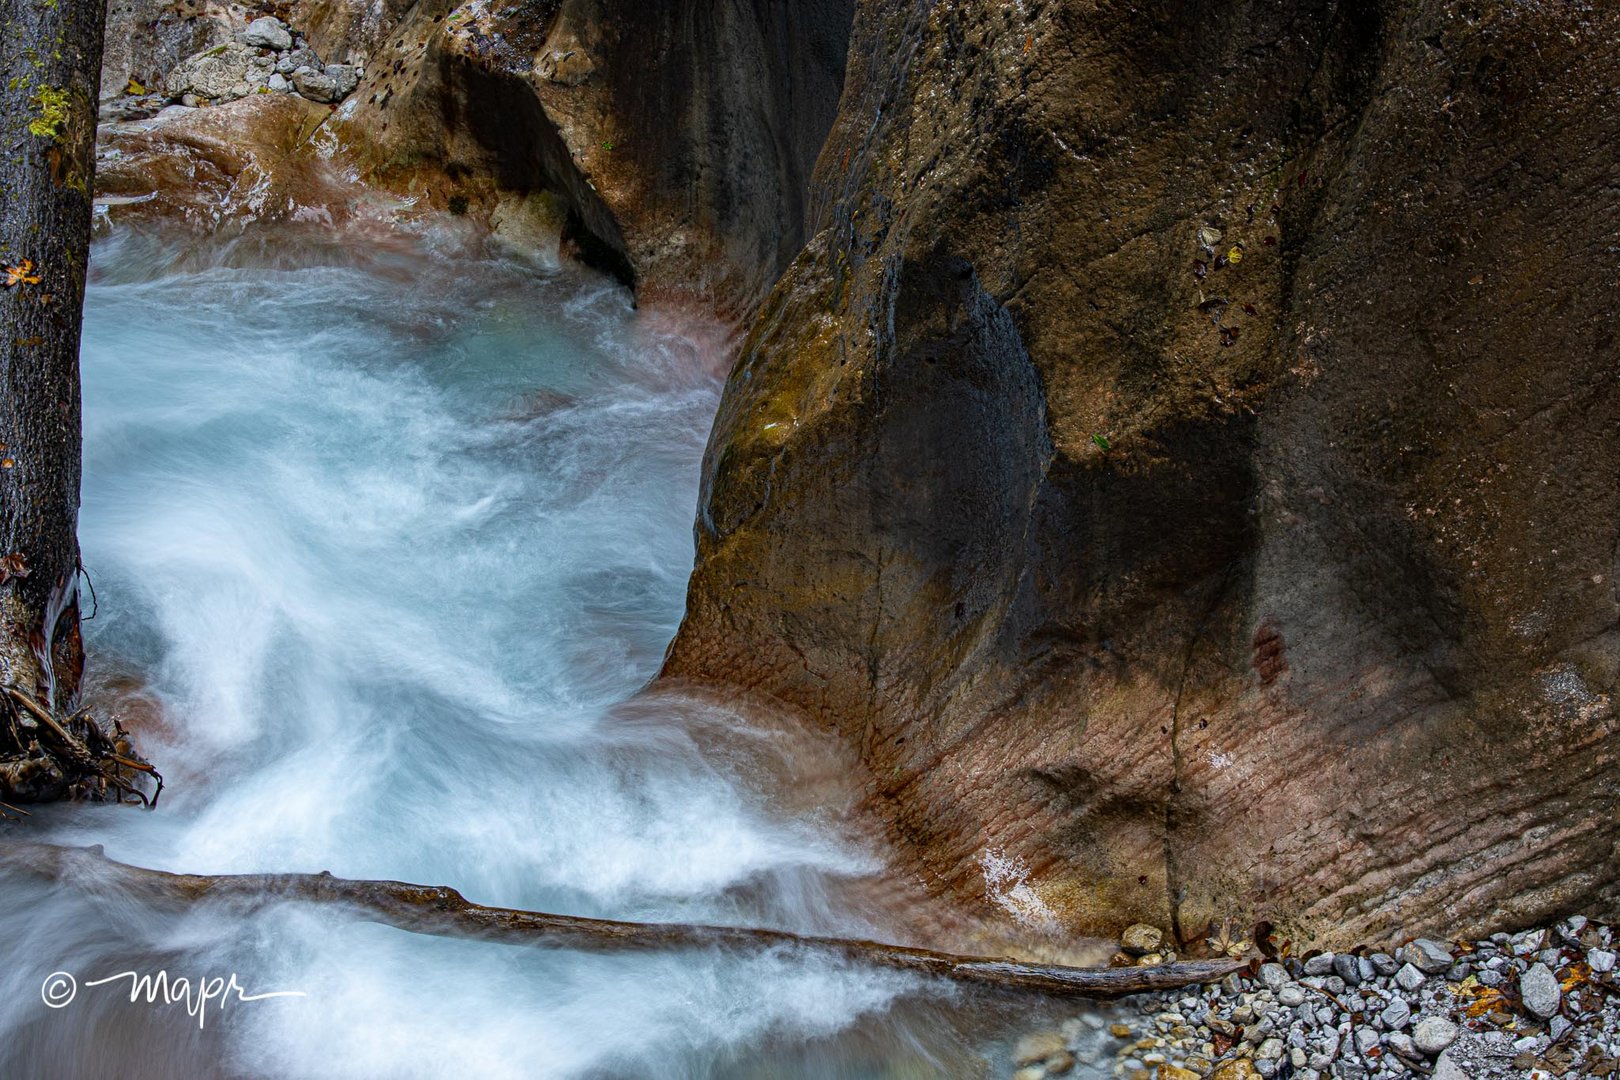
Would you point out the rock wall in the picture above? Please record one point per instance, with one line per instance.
(668, 144)
(1183, 461)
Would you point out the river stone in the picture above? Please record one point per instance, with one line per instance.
(1038, 1046)
(1432, 1034)
(1238, 1069)
(1539, 990)
(1348, 968)
(1141, 938)
(1320, 964)
(1396, 1014)
(267, 33)
(1409, 978)
(1274, 977)
(1429, 957)
(1600, 960)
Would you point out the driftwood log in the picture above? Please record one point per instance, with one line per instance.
(441, 910)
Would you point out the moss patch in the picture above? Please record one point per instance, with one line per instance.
(53, 113)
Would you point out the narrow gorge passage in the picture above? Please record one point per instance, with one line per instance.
(386, 548)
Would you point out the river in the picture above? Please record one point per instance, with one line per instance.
(385, 538)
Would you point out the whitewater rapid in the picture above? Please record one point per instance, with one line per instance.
(391, 542)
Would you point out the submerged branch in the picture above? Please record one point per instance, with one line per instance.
(441, 910)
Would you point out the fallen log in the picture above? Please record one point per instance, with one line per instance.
(441, 910)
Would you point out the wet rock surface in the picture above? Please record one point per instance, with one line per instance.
(1181, 462)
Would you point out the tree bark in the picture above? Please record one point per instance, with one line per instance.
(51, 60)
(441, 910)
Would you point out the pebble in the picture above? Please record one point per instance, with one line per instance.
(1433, 1034)
(1039, 1046)
(1348, 968)
(1540, 991)
(1395, 1021)
(1320, 964)
(1275, 976)
(1141, 938)
(1429, 957)
(1409, 978)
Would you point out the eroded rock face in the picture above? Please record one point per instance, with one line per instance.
(1184, 461)
(680, 136)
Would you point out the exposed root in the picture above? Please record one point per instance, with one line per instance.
(43, 758)
(441, 910)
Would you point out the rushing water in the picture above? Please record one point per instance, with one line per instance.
(390, 541)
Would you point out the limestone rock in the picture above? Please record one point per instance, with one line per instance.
(1539, 989)
(1141, 938)
(1105, 574)
(267, 33)
(216, 74)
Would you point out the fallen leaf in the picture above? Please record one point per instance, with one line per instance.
(21, 274)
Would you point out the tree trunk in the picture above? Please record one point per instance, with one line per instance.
(51, 56)
(441, 910)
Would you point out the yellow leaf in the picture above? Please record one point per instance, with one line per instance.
(1235, 255)
(21, 274)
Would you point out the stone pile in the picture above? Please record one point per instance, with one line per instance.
(267, 57)
(1540, 1004)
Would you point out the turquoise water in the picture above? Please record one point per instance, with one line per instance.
(390, 537)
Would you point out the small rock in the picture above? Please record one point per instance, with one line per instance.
(1409, 978)
(1429, 957)
(1141, 938)
(1540, 991)
(1600, 960)
(1291, 996)
(1396, 1014)
(267, 33)
(314, 85)
(1059, 1063)
(296, 59)
(1176, 1072)
(1366, 1039)
(1119, 1031)
(1238, 1069)
(1270, 1050)
(278, 84)
(1031, 1072)
(345, 77)
(1384, 964)
(1274, 976)
(1320, 964)
(1039, 1046)
(1402, 1044)
(1557, 1026)
(1348, 968)
(1433, 1034)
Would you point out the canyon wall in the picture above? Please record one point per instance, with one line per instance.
(1183, 461)
(668, 144)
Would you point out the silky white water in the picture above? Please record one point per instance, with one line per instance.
(392, 540)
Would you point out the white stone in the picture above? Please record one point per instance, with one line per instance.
(1433, 1034)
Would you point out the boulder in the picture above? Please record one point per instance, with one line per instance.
(216, 74)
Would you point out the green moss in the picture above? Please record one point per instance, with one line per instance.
(53, 112)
